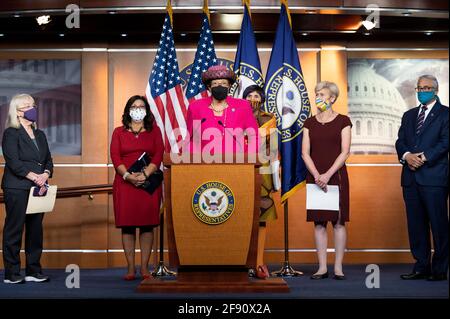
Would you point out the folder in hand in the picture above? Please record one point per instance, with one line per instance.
(142, 162)
(317, 199)
(154, 180)
(41, 204)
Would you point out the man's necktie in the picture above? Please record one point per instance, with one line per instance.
(421, 119)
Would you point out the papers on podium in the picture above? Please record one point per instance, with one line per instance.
(41, 204)
(317, 199)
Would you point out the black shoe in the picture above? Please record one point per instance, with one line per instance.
(437, 277)
(14, 279)
(339, 277)
(318, 276)
(37, 278)
(414, 276)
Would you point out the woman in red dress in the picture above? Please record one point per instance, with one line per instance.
(133, 206)
(325, 148)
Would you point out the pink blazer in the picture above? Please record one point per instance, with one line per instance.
(236, 131)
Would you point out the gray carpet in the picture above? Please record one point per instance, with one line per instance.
(108, 284)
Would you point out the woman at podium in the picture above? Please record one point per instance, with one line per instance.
(134, 207)
(221, 123)
(267, 129)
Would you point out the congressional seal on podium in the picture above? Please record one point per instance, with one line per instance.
(213, 203)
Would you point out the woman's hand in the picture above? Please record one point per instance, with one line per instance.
(137, 179)
(149, 170)
(322, 181)
(41, 179)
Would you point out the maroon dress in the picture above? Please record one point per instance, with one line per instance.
(133, 206)
(325, 142)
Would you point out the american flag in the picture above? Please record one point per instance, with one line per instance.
(204, 58)
(164, 92)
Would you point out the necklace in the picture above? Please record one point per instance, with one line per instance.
(217, 110)
(136, 134)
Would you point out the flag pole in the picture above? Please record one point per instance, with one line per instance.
(161, 270)
(286, 269)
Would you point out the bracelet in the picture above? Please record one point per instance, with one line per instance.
(124, 176)
(47, 171)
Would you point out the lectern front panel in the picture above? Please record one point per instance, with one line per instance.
(212, 213)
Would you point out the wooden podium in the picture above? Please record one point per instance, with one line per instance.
(212, 214)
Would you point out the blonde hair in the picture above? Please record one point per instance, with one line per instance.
(331, 86)
(16, 103)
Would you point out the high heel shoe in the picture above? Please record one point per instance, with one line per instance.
(338, 277)
(319, 276)
(146, 276)
(129, 277)
(262, 272)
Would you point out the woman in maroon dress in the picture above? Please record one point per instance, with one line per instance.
(133, 206)
(326, 147)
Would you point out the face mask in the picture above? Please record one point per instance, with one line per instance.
(137, 114)
(322, 105)
(425, 97)
(31, 114)
(219, 92)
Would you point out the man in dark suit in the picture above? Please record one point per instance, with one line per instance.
(423, 149)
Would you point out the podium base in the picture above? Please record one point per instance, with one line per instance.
(204, 282)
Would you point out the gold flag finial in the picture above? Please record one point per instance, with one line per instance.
(246, 3)
(285, 3)
(206, 9)
(170, 11)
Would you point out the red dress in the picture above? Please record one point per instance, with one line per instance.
(134, 206)
(325, 140)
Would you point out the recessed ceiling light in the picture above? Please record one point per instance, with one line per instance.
(16, 15)
(310, 11)
(305, 34)
(123, 34)
(406, 14)
(42, 20)
(2, 35)
(428, 33)
(112, 12)
(366, 33)
(183, 34)
(61, 34)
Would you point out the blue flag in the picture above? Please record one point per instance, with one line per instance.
(287, 98)
(246, 63)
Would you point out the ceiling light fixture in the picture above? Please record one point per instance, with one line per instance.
(42, 20)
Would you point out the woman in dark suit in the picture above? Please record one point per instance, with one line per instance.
(28, 163)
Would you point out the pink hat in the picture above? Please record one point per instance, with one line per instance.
(218, 72)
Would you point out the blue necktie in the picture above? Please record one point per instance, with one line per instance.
(420, 119)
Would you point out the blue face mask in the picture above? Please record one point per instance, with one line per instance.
(425, 97)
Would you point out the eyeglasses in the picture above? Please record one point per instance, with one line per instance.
(424, 88)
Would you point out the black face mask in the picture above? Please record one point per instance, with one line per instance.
(219, 92)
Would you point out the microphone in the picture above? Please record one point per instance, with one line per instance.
(234, 137)
(203, 120)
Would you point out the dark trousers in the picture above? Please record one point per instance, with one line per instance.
(427, 206)
(16, 204)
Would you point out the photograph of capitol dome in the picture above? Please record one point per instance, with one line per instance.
(56, 87)
(380, 91)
